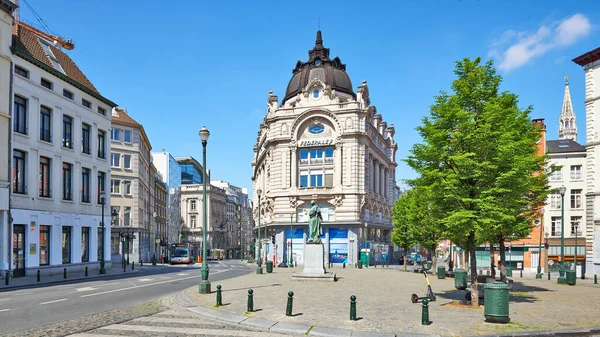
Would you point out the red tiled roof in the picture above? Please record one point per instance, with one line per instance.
(26, 45)
(587, 58)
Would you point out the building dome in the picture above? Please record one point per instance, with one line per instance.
(319, 66)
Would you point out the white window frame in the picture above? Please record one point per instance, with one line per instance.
(115, 135)
(125, 156)
(126, 187)
(576, 172)
(556, 175)
(115, 186)
(125, 133)
(193, 205)
(577, 198)
(112, 159)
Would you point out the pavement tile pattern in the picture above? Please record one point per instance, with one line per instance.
(383, 303)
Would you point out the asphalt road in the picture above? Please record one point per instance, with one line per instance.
(38, 306)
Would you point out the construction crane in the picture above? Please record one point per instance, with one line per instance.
(67, 44)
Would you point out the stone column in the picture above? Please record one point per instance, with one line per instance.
(376, 170)
(294, 167)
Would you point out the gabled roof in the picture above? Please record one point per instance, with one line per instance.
(564, 146)
(27, 45)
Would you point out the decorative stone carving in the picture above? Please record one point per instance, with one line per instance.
(338, 200)
(294, 202)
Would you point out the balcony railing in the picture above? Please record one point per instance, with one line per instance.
(46, 135)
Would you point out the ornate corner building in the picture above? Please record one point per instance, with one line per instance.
(324, 142)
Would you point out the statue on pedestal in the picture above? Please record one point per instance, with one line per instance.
(314, 224)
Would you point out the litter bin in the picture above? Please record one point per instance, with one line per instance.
(571, 277)
(269, 265)
(460, 279)
(495, 299)
(428, 265)
(359, 264)
(441, 272)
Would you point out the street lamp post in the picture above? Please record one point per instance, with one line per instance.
(154, 241)
(366, 237)
(539, 267)
(561, 270)
(204, 283)
(102, 201)
(575, 256)
(259, 266)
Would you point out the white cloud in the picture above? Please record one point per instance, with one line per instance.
(514, 49)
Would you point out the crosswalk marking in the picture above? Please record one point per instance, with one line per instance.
(178, 323)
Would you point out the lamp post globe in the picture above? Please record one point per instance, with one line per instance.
(204, 283)
(102, 202)
(561, 271)
(259, 265)
(539, 224)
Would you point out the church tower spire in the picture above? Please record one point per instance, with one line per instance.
(567, 128)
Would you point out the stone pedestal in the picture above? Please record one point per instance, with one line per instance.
(314, 265)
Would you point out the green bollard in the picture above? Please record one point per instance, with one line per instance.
(219, 297)
(290, 303)
(548, 275)
(86, 271)
(124, 267)
(353, 308)
(595, 279)
(6, 278)
(38, 276)
(521, 273)
(344, 265)
(65, 273)
(425, 312)
(250, 300)
(133, 265)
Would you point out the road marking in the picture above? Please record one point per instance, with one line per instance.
(145, 279)
(3, 310)
(4, 299)
(151, 284)
(86, 289)
(62, 299)
(182, 274)
(185, 331)
(27, 293)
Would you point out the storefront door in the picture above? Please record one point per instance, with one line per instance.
(19, 251)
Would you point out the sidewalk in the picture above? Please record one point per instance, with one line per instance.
(385, 309)
(31, 281)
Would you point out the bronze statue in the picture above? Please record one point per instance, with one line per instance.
(314, 224)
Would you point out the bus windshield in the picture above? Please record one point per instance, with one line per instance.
(180, 252)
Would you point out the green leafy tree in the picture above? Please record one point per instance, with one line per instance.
(402, 216)
(478, 159)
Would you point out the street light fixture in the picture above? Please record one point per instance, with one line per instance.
(102, 202)
(576, 225)
(259, 267)
(204, 283)
(538, 223)
(366, 237)
(561, 271)
(154, 239)
(291, 261)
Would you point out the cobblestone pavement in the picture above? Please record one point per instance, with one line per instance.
(383, 303)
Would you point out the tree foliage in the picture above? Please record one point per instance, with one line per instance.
(478, 158)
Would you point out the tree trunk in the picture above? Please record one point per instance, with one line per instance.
(502, 258)
(405, 262)
(474, 284)
(433, 260)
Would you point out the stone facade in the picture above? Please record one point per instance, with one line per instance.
(60, 160)
(327, 144)
(238, 217)
(131, 187)
(6, 21)
(590, 62)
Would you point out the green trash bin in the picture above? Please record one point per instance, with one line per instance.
(571, 277)
(269, 265)
(441, 272)
(495, 299)
(429, 265)
(460, 279)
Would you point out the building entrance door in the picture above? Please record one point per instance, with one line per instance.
(19, 251)
(534, 260)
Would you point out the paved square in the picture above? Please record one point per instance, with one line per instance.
(383, 302)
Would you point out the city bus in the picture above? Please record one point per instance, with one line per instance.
(181, 253)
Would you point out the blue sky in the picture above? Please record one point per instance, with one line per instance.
(179, 65)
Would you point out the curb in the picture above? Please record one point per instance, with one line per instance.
(63, 281)
(592, 331)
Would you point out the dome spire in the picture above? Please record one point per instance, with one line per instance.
(319, 41)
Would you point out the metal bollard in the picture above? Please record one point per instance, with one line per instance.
(38, 276)
(133, 265)
(6, 278)
(548, 275)
(219, 298)
(353, 308)
(250, 300)
(124, 267)
(65, 273)
(344, 265)
(521, 273)
(595, 279)
(290, 303)
(425, 312)
(86, 271)
(141, 263)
